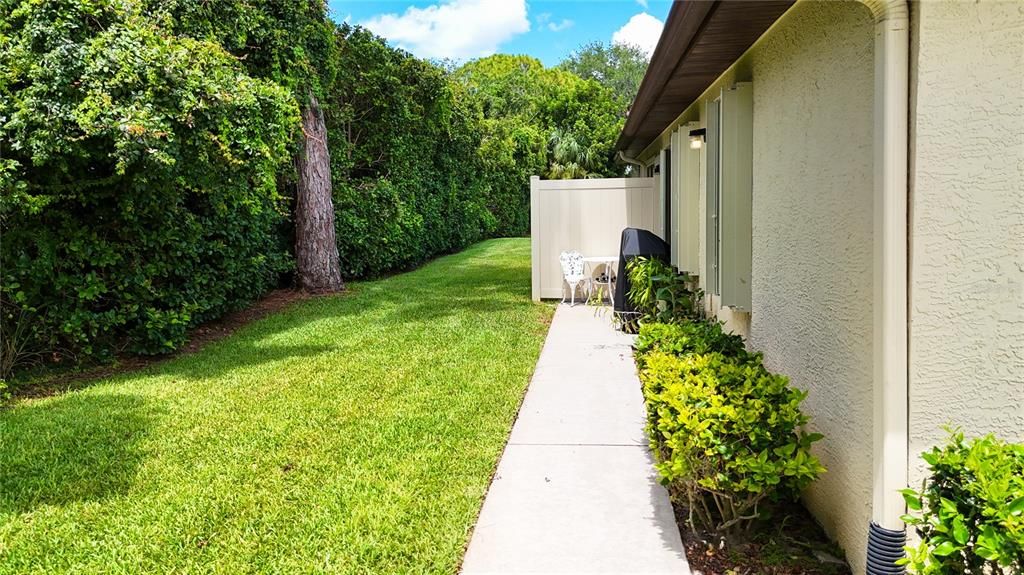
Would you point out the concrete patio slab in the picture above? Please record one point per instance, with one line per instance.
(575, 490)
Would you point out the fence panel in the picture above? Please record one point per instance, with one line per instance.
(587, 216)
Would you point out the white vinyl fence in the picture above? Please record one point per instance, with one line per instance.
(587, 216)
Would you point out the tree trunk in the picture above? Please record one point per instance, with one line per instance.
(316, 252)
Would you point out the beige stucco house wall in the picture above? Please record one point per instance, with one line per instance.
(812, 250)
(967, 222)
(813, 84)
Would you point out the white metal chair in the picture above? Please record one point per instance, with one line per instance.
(572, 273)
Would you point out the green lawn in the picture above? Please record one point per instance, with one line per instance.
(349, 434)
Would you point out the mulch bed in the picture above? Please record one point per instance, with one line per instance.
(52, 380)
(791, 543)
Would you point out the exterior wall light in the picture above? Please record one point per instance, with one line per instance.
(697, 138)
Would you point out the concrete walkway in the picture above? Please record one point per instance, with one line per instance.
(575, 491)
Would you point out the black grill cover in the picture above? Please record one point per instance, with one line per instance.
(635, 242)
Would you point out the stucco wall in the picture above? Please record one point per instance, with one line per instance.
(812, 231)
(967, 218)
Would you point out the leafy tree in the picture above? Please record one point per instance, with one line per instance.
(290, 42)
(619, 67)
(569, 159)
(588, 111)
(511, 86)
(529, 110)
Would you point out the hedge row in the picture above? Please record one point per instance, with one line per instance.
(138, 182)
(404, 138)
(727, 433)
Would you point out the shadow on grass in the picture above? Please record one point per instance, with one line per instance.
(75, 448)
(232, 355)
(88, 446)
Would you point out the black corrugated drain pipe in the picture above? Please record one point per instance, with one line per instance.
(885, 547)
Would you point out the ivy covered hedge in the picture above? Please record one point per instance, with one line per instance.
(404, 137)
(138, 181)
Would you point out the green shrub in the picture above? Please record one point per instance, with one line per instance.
(970, 509)
(138, 193)
(727, 434)
(660, 293)
(686, 337)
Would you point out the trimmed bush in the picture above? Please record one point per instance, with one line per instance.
(688, 337)
(970, 509)
(727, 434)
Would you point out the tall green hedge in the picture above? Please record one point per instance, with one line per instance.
(408, 183)
(138, 183)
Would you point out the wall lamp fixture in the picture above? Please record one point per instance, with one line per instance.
(697, 138)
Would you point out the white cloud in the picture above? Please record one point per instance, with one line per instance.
(642, 3)
(558, 27)
(544, 21)
(456, 29)
(642, 30)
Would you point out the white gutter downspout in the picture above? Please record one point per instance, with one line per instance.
(890, 453)
(633, 161)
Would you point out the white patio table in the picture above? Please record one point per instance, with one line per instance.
(609, 262)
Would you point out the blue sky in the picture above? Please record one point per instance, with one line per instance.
(465, 29)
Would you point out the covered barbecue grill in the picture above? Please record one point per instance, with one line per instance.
(635, 242)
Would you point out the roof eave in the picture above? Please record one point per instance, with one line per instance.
(699, 42)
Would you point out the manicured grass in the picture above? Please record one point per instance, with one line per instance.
(349, 434)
